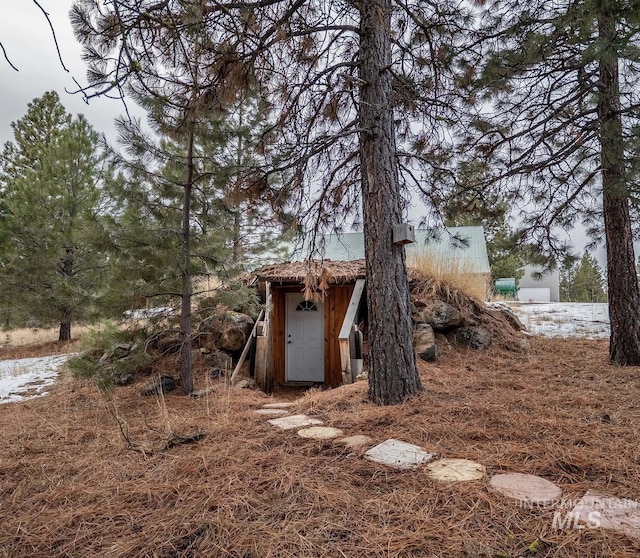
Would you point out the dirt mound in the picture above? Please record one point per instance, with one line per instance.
(466, 313)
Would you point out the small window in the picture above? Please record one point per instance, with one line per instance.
(306, 306)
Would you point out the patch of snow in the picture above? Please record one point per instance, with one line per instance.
(145, 313)
(564, 319)
(26, 378)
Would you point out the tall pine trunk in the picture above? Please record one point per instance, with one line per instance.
(393, 375)
(186, 373)
(624, 296)
(64, 333)
(237, 193)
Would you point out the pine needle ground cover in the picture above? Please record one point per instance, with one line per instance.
(84, 474)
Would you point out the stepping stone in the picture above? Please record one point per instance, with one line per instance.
(278, 405)
(271, 412)
(320, 432)
(527, 489)
(355, 442)
(618, 514)
(294, 421)
(398, 454)
(455, 470)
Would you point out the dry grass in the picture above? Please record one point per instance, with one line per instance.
(71, 486)
(35, 336)
(40, 349)
(461, 275)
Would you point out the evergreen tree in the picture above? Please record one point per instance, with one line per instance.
(469, 207)
(50, 189)
(257, 229)
(556, 118)
(567, 274)
(169, 232)
(587, 283)
(360, 109)
(146, 226)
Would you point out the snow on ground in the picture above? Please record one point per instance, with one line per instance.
(26, 378)
(564, 319)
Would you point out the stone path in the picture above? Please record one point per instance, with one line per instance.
(527, 489)
(396, 453)
(593, 510)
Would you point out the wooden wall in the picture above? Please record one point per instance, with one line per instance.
(335, 308)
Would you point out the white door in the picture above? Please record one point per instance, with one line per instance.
(304, 340)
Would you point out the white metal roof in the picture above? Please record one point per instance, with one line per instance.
(465, 244)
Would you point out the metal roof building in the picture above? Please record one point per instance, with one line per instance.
(467, 245)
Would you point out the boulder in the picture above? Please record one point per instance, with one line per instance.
(441, 316)
(238, 320)
(215, 373)
(424, 343)
(121, 350)
(218, 359)
(227, 331)
(124, 379)
(232, 340)
(442, 342)
(473, 337)
(246, 383)
(418, 304)
(511, 317)
(162, 384)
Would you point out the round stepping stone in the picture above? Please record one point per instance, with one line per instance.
(527, 489)
(280, 405)
(398, 454)
(271, 412)
(355, 442)
(320, 433)
(455, 470)
(294, 421)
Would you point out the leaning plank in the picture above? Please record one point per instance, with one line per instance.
(345, 332)
(245, 351)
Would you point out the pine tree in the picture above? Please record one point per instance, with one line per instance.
(225, 224)
(567, 274)
(50, 188)
(359, 104)
(588, 282)
(487, 208)
(558, 129)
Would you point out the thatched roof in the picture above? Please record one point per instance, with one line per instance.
(329, 271)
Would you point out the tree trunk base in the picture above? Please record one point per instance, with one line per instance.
(65, 332)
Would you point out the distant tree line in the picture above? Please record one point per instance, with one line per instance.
(87, 232)
(582, 281)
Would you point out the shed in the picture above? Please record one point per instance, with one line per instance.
(312, 312)
(538, 285)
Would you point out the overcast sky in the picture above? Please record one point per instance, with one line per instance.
(27, 39)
